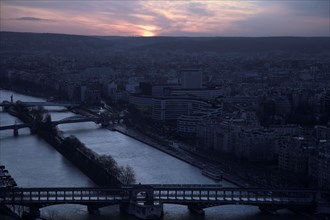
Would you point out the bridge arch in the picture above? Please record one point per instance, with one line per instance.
(73, 118)
(99, 205)
(34, 211)
(212, 205)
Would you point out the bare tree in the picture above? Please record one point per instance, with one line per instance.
(127, 175)
(110, 165)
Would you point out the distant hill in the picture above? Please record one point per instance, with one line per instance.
(245, 44)
(14, 41)
(10, 41)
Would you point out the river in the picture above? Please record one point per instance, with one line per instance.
(32, 162)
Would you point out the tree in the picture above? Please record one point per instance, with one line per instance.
(110, 165)
(127, 175)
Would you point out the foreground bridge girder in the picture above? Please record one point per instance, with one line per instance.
(152, 197)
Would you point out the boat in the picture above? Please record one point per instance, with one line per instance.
(213, 174)
(112, 127)
(50, 99)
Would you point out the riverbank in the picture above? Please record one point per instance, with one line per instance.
(36, 93)
(148, 141)
(171, 150)
(6, 180)
(177, 153)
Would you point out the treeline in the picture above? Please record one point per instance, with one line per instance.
(125, 175)
(102, 169)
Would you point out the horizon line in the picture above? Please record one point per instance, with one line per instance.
(179, 36)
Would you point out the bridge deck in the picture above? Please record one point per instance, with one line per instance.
(29, 104)
(207, 195)
(76, 119)
(17, 126)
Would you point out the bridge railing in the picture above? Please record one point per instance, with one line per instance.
(60, 195)
(180, 186)
(234, 195)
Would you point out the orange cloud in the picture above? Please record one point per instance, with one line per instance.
(157, 18)
(144, 18)
(200, 17)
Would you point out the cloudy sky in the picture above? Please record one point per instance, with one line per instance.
(168, 18)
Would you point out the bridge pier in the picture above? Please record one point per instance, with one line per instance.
(196, 209)
(34, 127)
(105, 122)
(143, 211)
(93, 210)
(33, 213)
(15, 131)
(269, 209)
(104, 125)
(142, 204)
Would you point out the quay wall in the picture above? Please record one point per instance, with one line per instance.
(148, 141)
(144, 138)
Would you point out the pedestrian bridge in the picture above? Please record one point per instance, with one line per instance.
(77, 119)
(196, 197)
(33, 104)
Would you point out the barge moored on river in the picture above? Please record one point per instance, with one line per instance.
(213, 174)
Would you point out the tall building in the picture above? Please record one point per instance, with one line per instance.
(191, 79)
(327, 101)
(225, 138)
(294, 154)
(166, 109)
(257, 145)
(322, 132)
(205, 134)
(324, 165)
(282, 105)
(187, 125)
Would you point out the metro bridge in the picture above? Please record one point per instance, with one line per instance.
(72, 119)
(151, 198)
(33, 104)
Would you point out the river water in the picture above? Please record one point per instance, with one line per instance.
(34, 163)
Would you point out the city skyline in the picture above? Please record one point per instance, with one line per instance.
(168, 18)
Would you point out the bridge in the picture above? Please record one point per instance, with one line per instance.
(77, 119)
(15, 126)
(74, 119)
(32, 104)
(150, 198)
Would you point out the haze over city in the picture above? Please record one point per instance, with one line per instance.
(165, 109)
(168, 18)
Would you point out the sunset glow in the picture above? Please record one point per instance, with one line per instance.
(148, 34)
(170, 18)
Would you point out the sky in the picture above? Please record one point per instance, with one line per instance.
(168, 18)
